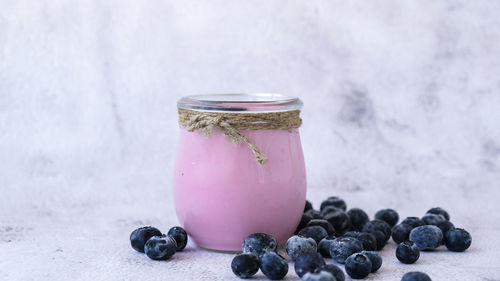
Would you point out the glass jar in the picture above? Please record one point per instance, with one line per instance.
(222, 194)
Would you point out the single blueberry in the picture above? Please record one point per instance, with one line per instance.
(340, 221)
(380, 237)
(315, 214)
(375, 258)
(416, 276)
(358, 218)
(413, 221)
(139, 237)
(324, 224)
(358, 266)
(324, 246)
(378, 225)
(273, 266)
(390, 216)
(343, 247)
(458, 240)
(329, 209)
(407, 252)
(439, 211)
(427, 237)
(318, 276)
(259, 243)
(160, 247)
(401, 232)
(308, 263)
(180, 236)
(304, 220)
(336, 271)
(367, 239)
(433, 219)
(315, 232)
(297, 245)
(445, 226)
(308, 206)
(245, 265)
(380, 229)
(335, 202)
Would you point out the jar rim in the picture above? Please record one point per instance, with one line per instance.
(240, 102)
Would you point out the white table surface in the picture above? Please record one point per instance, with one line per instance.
(401, 111)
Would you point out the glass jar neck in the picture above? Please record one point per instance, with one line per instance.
(248, 103)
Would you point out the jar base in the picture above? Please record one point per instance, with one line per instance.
(232, 252)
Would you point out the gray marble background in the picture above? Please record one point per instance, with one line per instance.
(402, 110)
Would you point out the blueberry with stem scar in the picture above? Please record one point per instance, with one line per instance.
(358, 266)
(407, 252)
(245, 265)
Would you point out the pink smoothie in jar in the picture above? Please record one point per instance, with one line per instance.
(221, 193)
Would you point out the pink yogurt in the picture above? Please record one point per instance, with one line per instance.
(222, 194)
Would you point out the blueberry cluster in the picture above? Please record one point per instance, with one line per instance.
(260, 251)
(349, 237)
(428, 233)
(156, 245)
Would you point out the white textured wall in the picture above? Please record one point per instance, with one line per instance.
(402, 105)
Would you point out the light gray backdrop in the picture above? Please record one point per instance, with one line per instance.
(401, 109)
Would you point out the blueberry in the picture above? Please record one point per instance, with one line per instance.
(160, 247)
(439, 211)
(457, 240)
(358, 266)
(380, 229)
(324, 224)
(401, 232)
(245, 265)
(334, 270)
(308, 206)
(427, 237)
(259, 243)
(180, 236)
(378, 225)
(375, 258)
(324, 246)
(433, 219)
(381, 240)
(445, 226)
(388, 215)
(139, 237)
(318, 276)
(358, 218)
(407, 252)
(315, 232)
(306, 218)
(340, 221)
(343, 247)
(416, 276)
(335, 202)
(314, 214)
(329, 209)
(367, 239)
(273, 266)
(308, 263)
(297, 245)
(413, 221)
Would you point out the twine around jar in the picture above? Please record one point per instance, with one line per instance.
(231, 124)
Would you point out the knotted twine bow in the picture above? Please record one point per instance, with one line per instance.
(232, 123)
